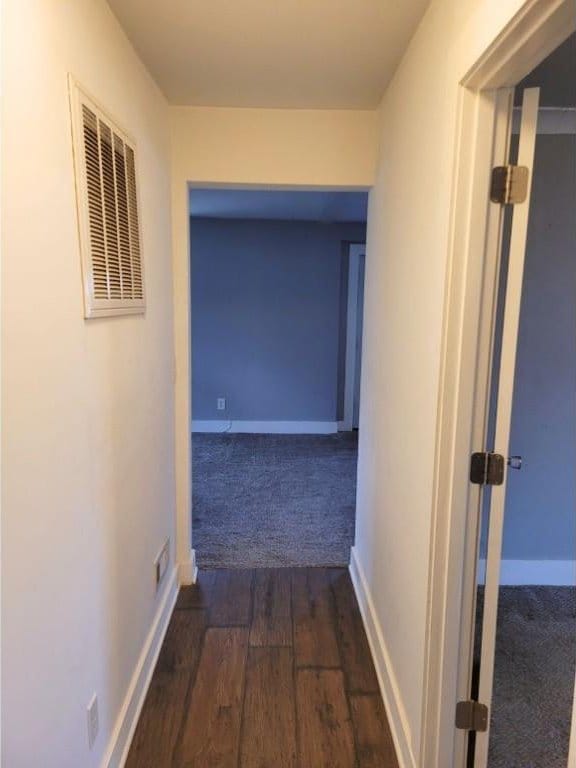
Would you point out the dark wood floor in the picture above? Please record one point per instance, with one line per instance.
(265, 669)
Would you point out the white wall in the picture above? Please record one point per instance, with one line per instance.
(326, 148)
(407, 247)
(87, 407)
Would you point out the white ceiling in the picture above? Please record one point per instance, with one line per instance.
(319, 54)
(279, 204)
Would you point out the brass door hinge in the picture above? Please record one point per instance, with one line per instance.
(509, 184)
(471, 716)
(487, 469)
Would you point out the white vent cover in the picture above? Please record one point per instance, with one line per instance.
(108, 212)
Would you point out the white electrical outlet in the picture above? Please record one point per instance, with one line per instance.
(161, 562)
(221, 403)
(92, 716)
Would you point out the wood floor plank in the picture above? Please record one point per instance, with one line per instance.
(374, 744)
(231, 598)
(159, 724)
(211, 733)
(269, 721)
(182, 644)
(157, 731)
(272, 612)
(315, 643)
(225, 696)
(325, 733)
(196, 595)
(354, 649)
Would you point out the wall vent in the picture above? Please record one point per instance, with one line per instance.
(108, 211)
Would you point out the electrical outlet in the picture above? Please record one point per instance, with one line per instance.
(161, 562)
(92, 716)
(221, 403)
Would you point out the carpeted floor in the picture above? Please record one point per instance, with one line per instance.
(273, 500)
(534, 677)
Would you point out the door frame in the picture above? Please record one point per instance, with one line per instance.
(355, 251)
(182, 183)
(539, 27)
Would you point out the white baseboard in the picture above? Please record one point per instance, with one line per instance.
(121, 738)
(388, 685)
(544, 573)
(188, 571)
(266, 427)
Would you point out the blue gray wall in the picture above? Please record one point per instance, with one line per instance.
(267, 318)
(540, 520)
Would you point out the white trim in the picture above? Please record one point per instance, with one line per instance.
(182, 373)
(551, 120)
(119, 745)
(356, 250)
(188, 570)
(541, 573)
(395, 710)
(266, 427)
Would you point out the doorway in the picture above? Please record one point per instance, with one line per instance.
(521, 691)
(476, 230)
(276, 327)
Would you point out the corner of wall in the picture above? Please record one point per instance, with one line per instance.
(188, 570)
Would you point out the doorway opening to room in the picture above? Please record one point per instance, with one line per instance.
(277, 287)
(499, 689)
(521, 601)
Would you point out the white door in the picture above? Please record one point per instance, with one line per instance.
(505, 386)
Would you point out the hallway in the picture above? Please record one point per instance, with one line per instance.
(264, 668)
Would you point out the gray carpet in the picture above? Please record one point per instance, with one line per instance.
(273, 500)
(534, 677)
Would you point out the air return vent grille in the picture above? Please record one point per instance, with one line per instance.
(108, 212)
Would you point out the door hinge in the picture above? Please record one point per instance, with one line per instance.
(487, 469)
(471, 716)
(509, 184)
